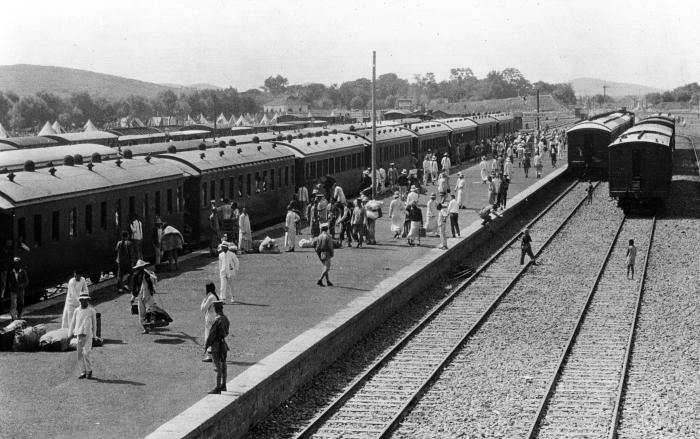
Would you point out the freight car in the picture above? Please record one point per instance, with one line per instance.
(641, 165)
(588, 141)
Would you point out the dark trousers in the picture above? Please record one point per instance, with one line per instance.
(219, 360)
(358, 230)
(406, 228)
(525, 251)
(454, 226)
(346, 230)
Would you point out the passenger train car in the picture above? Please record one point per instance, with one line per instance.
(588, 141)
(641, 164)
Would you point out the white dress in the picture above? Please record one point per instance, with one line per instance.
(431, 215)
(397, 213)
(72, 301)
(461, 189)
(484, 170)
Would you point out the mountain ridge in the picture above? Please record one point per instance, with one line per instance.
(594, 86)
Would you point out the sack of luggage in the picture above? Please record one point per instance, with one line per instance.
(421, 232)
(56, 340)
(7, 334)
(306, 243)
(27, 339)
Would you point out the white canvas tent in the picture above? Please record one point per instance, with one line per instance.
(46, 130)
(202, 119)
(241, 122)
(89, 126)
(3, 133)
(221, 120)
(264, 121)
(58, 128)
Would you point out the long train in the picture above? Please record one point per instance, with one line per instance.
(68, 204)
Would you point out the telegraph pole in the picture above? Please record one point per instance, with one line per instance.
(374, 126)
(605, 88)
(537, 139)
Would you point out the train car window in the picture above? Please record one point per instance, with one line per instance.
(88, 218)
(248, 185)
(37, 230)
(279, 177)
(55, 223)
(263, 186)
(222, 188)
(156, 203)
(212, 189)
(286, 175)
(144, 207)
(132, 207)
(331, 165)
(169, 201)
(103, 215)
(178, 199)
(291, 173)
(21, 229)
(73, 223)
(231, 193)
(258, 183)
(325, 167)
(118, 214)
(240, 186)
(205, 199)
(272, 179)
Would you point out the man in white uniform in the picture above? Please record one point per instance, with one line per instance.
(137, 236)
(290, 228)
(446, 164)
(83, 325)
(76, 287)
(228, 267)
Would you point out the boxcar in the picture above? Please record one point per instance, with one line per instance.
(72, 216)
(588, 141)
(260, 178)
(641, 166)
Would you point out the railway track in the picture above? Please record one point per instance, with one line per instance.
(584, 396)
(377, 400)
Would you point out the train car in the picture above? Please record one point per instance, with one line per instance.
(188, 134)
(26, 142)
(260, 178)
(342, 156)
(100, 137)
(433, 136)
(641, 166)
(55, 155)
(72, 216)
(588, 141)
(505, 123)
(6, 147)
(163, 147)
(487, 126)
(394, 145)
(663, 120)
(463, 136)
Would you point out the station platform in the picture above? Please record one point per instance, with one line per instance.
(143, 381)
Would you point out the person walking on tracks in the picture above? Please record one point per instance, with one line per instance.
(589, 192)
(219, 349)
(77, 286)
(207, 308)
(228, 267)
(526, 248)
(323, 245)
(83, 325)
(631, 255)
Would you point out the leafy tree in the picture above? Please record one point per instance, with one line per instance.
(275, 84)
(165, 102)
(357, 103)
(461, 74)
(516, 81)
(5, 106)
(29, 111)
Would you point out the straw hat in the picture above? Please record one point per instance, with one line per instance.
(140, 264)
(396, 195)
(433, 196)
(84, 296)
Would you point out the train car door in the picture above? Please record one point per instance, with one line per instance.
(6, 229)
(636, 183)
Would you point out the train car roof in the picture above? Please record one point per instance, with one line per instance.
(671, 123)
(248, 138)
(129, 137)
(385, 134)
(14, 160)
(459, 124)
(6, 147)
(605, 123)
(28, 141)
(502, 117)
(311, 146)
(430, 127)
(83, 136)
(159, 147)
(483, 119)
(642, 137)
(196, 162)
(189, 133)
(68, 181)
(650, 127)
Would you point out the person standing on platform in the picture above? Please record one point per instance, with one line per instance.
(392, 175)
(492, 191)
(338, 194)
(76, 287)
(245, 235)
(526, 248)
(433, 168)
(403, 183)
(235, 214)
(219, 349)
(290, 228)
(412, 196)
(426, 170)
(553, 155)
(446, 164)
(136, 227)
(207, 308)
(416, 217)
(228, 267)
(503, 192)
(442, 226)
(631, 255)
(526, 164)
(323, 245)
(508, 168)
(156, 236)
(5, 266)
(484, 169)
(538, 165)
(453, 210)
(431, 216)
(214, 230)
(589, 192)
(461, 191)
(17, 282)
(303, 195)
(373, 209)
(125, 260)
(381, 177)
(83, 325)
(358, 221)
(397, 215)
(443, 187)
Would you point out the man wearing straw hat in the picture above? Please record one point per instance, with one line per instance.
(83, 325)
(228, 267)
(219, 349)
(323, 245)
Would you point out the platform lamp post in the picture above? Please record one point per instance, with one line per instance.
(374, 126)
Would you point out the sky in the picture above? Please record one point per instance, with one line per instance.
(240, 43)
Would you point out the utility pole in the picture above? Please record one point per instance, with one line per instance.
(605, 88)
(537, 138)
(374, 126)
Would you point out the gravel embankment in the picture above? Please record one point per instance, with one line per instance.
(307, 403)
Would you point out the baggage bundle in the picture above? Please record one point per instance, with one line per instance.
(57, 340)
(27, 339)
(7, 334)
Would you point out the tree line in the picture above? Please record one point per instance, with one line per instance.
(688, 94)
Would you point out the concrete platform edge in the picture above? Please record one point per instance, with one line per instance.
(262, 387)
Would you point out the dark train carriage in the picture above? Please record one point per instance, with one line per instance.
(641, 166)
(433, 136)
(163, 147)
(505, 123)
(55, 155)
(463, 137)
(261, 179)
(587, 141)
(342, 156)
(6, 147)
(487, 127)
(394, 145)
(99, 137)
(72, 216)
(650, 127)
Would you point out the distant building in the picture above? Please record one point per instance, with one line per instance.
(404, 104)
(286, 104)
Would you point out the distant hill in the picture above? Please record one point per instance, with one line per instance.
(26, 79)
(592, 86)
(192, 87)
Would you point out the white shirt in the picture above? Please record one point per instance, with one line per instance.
(74, 290)
(291, 220)
(136, 230)
(303, 194)
(412, 196)
(453, 207)
(84, 322)
(446, 163)
(339, 195)
(228, 264)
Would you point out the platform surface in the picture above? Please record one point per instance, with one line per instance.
(145, 380)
